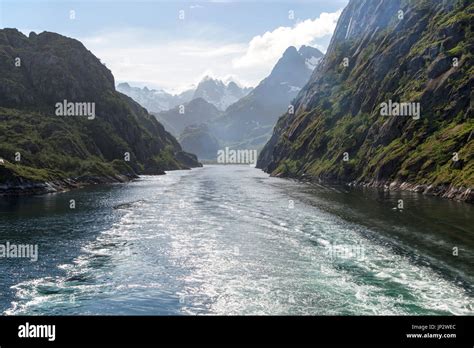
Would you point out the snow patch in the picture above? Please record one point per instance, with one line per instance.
(312, 62)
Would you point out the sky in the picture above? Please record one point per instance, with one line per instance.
(172, 45)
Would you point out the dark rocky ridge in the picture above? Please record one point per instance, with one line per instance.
(407, 60)
(72, 149)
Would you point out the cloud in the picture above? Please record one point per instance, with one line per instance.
(220, 51)
(155, 58)
(266, 49)
(148, 57)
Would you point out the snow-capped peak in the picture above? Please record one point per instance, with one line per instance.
(221, 94)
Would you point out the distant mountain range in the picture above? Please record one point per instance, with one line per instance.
(214, 91)
(155, 100)
(390, 105)
(45, 146)
(248, 122)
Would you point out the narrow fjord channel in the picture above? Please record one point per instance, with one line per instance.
(232, 240)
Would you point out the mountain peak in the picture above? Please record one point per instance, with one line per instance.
(250, 120)
(311, 55)
(200, 102)
(290, 51)
(294, 67)
(207, 78)
(219, 93)
(123, 85)
(307, 52)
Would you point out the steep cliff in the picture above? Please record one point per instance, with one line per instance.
(42, 142)
(406, 54)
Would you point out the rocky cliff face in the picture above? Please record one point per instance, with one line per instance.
(404, 54)
(39, 142)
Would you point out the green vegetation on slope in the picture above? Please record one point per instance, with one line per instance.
(424, 58)
(39, 146)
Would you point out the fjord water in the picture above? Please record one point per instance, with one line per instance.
(231, 240)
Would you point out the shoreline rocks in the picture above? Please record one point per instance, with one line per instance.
(29, 188)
